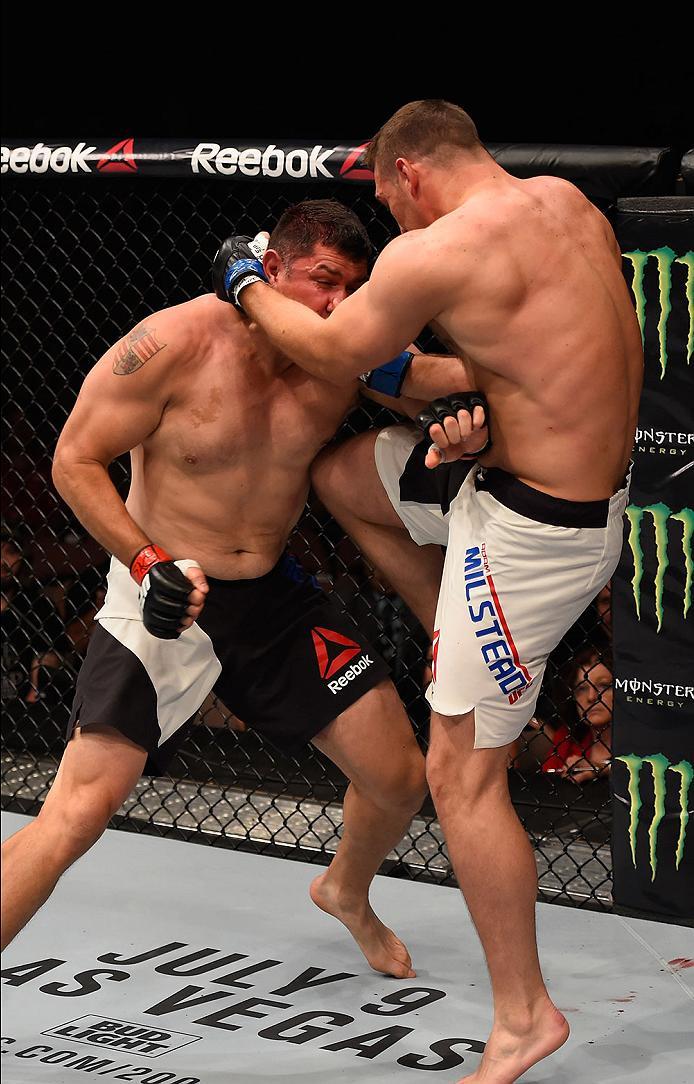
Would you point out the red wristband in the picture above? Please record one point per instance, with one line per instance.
(142, 562)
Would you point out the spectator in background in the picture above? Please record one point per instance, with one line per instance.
(582, 752)
(578, 749)
(32, 630)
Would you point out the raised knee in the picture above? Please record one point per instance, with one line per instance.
(321, 471)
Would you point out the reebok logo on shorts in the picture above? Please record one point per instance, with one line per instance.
(329, 643)
(496, 642)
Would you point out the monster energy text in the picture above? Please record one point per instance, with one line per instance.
(660, 766)
(665, 258)
(663, 442)
(659, 694)
(661, 516)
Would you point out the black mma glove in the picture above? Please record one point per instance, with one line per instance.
(237, 264)
(440, 409)
(164, 591)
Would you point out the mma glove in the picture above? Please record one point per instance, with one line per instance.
(238, 263)
(448, 407)
(164, 591)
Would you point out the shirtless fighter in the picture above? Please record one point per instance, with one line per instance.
(185, 391)
(523, 278)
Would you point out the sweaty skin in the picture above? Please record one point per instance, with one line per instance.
(523, 279)
(222, 431)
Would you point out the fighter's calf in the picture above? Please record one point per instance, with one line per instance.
(98, 771)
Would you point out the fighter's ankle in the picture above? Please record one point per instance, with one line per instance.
(524, 1014)
(340, 893)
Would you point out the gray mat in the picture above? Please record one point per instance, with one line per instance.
(169, 963)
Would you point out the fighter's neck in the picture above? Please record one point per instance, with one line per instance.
(275, 361)
(454, 190)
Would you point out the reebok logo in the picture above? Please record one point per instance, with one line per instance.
(333, 651)
(351, 171)
(350, 674)
(270, 161)
(119, 159)
(40, 158)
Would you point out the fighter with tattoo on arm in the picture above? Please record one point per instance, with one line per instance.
(201, 594)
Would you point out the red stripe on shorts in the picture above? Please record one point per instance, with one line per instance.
(504, 622)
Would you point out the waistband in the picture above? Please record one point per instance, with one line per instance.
(545, 508)
(287, 566)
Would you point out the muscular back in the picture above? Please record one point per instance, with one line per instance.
(539, 307)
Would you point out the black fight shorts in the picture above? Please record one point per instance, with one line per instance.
(277, 651)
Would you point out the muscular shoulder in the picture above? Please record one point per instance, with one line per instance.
(541, 209)
(580, 215)
(179, 335)
(417, 256)
(563, 200)
(193, 322)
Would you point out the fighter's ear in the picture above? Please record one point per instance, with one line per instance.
(272, 265)
(408, 174)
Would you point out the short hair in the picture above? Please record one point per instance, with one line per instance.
(590, 656)
(429, 128)
(320, 222)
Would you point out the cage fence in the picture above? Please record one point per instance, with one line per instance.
(80, 267)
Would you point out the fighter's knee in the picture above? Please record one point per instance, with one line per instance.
(404, 786)
(448, 779)
(439, 775)
(462, 783)
(412, 786)
(323, 474)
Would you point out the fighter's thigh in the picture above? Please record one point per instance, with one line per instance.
(98, 771)
(346, 478)
(373, 743)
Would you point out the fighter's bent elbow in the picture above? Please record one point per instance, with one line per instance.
(60, 471)
(68, 470)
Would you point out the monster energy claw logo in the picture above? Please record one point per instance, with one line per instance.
(659, 766)
(665, 258)
(661, 516)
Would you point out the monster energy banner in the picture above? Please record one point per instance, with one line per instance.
(653, 733)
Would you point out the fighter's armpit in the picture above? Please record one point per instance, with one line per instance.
(136, 349)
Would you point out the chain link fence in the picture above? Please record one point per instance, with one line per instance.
(81, 265)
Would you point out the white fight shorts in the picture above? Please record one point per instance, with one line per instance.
(521, 566)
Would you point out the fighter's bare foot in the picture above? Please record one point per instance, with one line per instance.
(383, 950)
(509, 1054)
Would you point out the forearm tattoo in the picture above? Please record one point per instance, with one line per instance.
(137, 348)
